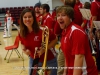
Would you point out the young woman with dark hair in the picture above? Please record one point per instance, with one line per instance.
(31, 37)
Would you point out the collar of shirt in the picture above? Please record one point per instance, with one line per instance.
(44, 17)
(67, 29)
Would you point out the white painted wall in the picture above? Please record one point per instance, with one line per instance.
(16, 3)
(83, 1)
(20, 3)
(48, 2)
(56, 3)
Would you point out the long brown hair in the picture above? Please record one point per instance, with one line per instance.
(23, 28)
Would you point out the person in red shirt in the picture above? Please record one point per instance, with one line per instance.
(47, 19)
(95, 11)
(54, 13)
(77, 15)
(37, 12)
(31, 37)
(76, 4)
(75, 45)
(58, 31)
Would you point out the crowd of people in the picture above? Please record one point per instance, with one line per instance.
(67, 25)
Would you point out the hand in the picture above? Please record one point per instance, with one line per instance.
(27, 52)
(40, 51)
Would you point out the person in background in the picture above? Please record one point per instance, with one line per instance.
(37, 10)
(76, 4)
(95, 11)
(77, 15)
(54, 13)
(76, 49)
(31, 37)
(8, 13)
(58, 31)
(47, 19)
(86, 23)
(8, 24)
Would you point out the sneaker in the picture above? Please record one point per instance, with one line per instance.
(5, 36)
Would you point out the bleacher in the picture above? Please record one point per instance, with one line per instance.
(15, 13)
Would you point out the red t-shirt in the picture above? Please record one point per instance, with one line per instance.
(33, 40)
(74, 41)
(95, 9)
(38, 18)
(77, 14)
(48, 21)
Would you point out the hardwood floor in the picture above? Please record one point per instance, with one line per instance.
(15, 65)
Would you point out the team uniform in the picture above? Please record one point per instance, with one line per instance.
(48, 21)
(33, 40)
(9, 22)
(77, 18)
(74, 41)
(77, 14)
(38, 18)
(95, 9)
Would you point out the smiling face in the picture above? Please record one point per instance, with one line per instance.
(28, 19)
(63, 20)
